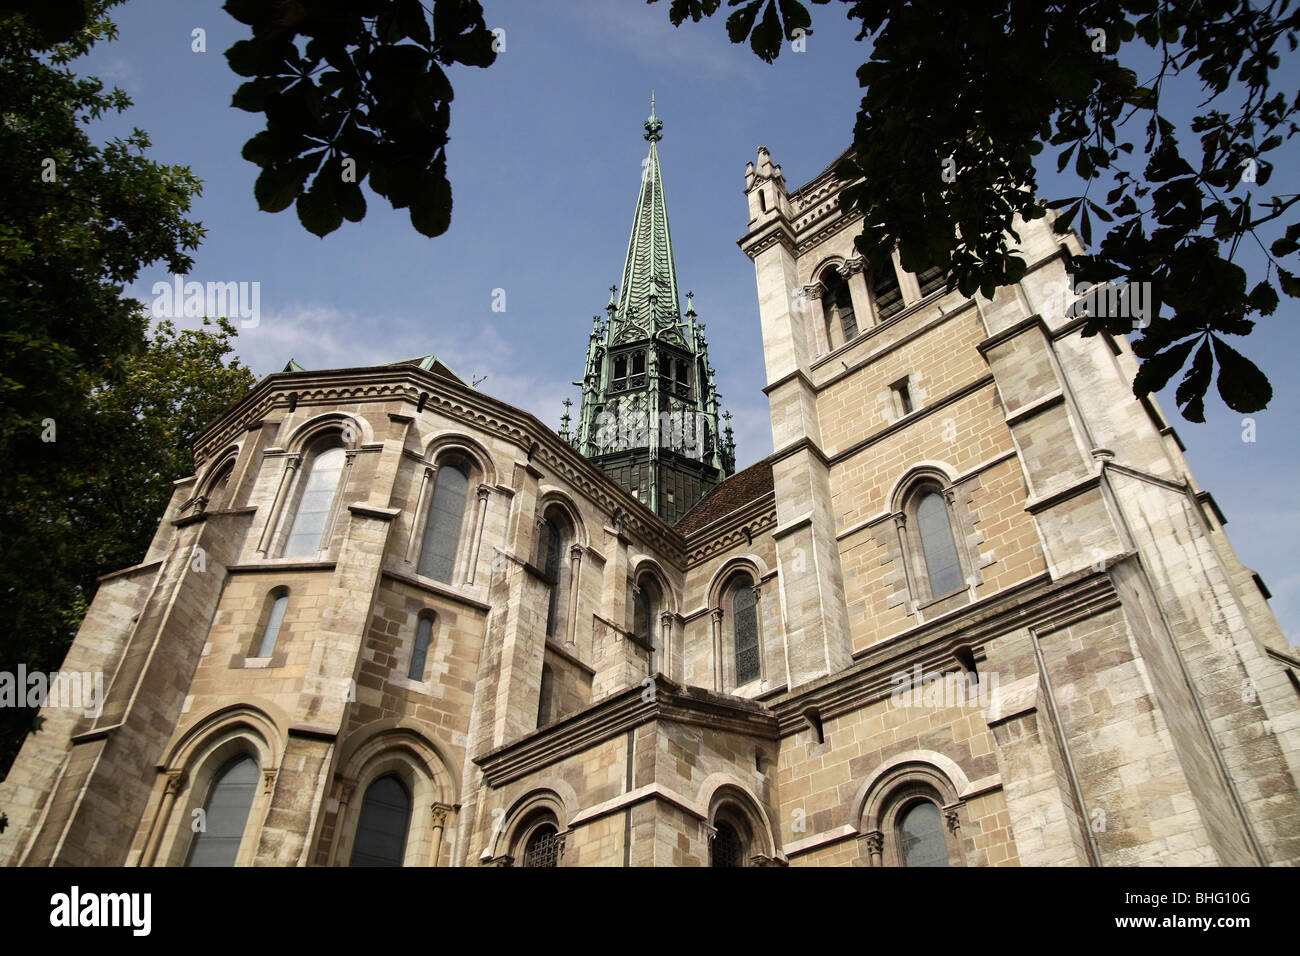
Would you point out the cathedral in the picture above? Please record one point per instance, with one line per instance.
(973, 610)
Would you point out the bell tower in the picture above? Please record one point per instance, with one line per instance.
(650, 407)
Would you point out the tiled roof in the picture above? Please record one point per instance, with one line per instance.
(736, 492)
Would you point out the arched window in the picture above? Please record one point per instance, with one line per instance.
(385, 817)
(420, 653)
(542, 845)
(838, 304)
(219, 489)
(744, 630)
(646, 605)
(937, 544)
(645, 609)
(885, 293)
(225, 814)
(442, 527)
(320, 484)
(556, 534)
(271, 633)
(920, 836)
(727, 848)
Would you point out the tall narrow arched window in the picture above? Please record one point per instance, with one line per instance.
(225, 814)
(442, 527)
(420, 653)
(839, 308)
(937, 544)
(219, 490)
(885, 292)
(271, 632)
(320, 484)
(381, 831)
(920, 836)
(551, 554)
(645, 608)
(744, 625)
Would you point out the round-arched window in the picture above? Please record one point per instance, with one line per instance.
(920, 836)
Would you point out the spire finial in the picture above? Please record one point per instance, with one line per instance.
(653, 127)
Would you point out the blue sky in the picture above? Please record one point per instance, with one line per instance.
(545, 160)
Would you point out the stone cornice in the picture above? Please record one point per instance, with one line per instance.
(773, 232)
(620, 713)
(454, 400)
(743, 524)
(1038, 602)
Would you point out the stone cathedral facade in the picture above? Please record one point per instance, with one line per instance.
(973, 610)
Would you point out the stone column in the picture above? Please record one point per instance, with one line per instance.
(717, 650)
(345, 791)
(480, 515)
(277, 505)
(855, 276)
(421, 509)
(440, 812)
(812, 294)
(875, 847)
(666, 643)
(575, 580)
(175, 783)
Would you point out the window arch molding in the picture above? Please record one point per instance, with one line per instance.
(455, 443)
(731, 803)
(829, 265)
(443, 527)
(930, 554)
(189, 767)
(453, 563)
(894, 789)
(554, 498)
(326, 424)
(738, 643)
(647, 577)
(406, 751)
(750, 563)
(557, 805)
(315, 438)
(559, 562)
(840, 319)
(215, 488)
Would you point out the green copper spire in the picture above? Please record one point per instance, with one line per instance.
(650, 404)
(648, 301)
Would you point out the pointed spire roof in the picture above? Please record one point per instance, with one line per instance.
(649, 285)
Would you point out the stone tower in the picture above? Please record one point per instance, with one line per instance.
(649, 412)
